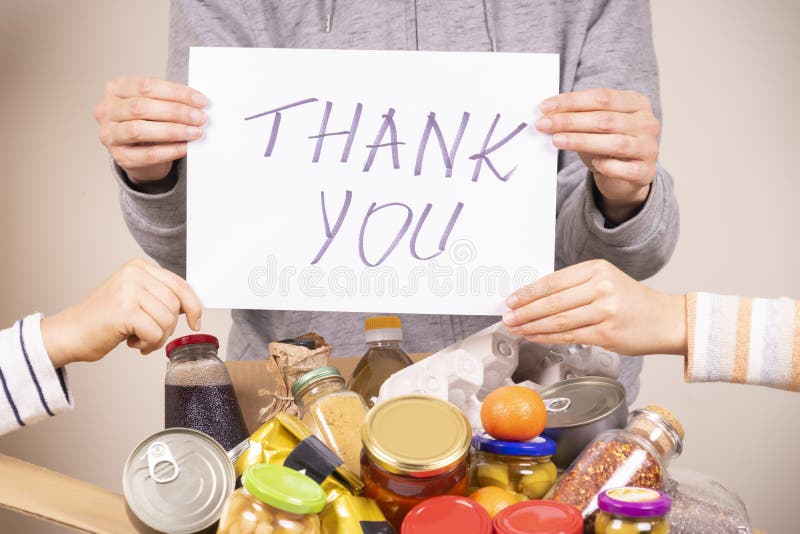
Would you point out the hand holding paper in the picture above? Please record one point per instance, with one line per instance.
(616, 135)
(145, 124)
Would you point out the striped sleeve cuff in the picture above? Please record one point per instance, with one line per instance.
(31, 388)
(743, 340)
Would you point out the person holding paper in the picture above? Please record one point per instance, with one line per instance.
(614, 199)
(139, 304)
(724, 338)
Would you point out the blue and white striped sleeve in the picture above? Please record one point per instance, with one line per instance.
(31, 389)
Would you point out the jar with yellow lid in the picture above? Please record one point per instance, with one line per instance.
(415, 447)
(632, 511)
(383, 358)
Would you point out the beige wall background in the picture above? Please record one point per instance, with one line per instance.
(729, 72)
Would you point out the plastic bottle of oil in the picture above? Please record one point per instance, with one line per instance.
(383, 357)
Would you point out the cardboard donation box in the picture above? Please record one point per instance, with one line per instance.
(50, 496)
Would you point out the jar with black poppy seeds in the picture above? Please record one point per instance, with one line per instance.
(637, 455)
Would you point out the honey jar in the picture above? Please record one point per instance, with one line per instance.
(415, 447)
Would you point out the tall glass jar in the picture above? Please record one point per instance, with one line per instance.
(415, 447)
(334, 414)
(198, 392)
(637, 455)
(383, 358)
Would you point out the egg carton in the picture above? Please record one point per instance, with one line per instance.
(465, 372)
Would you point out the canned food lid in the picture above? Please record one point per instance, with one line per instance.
(634, 502)
(178, 480)
(543, 517)
(312, 376)
(448, 513)
(538, 446)
(591, 398)
(284, 488)
(416, 435)
(193, 339)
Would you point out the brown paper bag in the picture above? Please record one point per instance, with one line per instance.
(286, 364)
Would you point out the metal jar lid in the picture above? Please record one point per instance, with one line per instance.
(310, 377)
(585, 400)
(178, 481)
(416, 435)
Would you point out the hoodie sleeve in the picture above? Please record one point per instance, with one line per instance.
(158, 221)
(618, 53)
(30, 388)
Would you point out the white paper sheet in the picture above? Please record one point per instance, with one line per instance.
(264, 199)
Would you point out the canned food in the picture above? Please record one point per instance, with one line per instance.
(522, 467)
(578, 410)
(178, 481)
(539, 517)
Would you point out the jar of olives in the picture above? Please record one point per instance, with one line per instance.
(632, 511)
(273, 498)
(524, 467)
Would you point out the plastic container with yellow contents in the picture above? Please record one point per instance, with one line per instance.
(632, 511)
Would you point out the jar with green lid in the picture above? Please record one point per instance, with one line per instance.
(632, 511)
(334, 414)
(524, 467)
(273, 498)
(415, 447)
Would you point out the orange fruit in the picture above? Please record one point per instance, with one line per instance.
(513, 413)
(494, 499)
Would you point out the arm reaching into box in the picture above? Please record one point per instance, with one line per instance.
(139, 304)
(724, 338)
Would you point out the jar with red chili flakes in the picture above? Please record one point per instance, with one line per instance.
(637, 455)
(415, 447)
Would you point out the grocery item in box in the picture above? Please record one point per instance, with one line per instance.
(383, 358)
(632, 511)
(522, 467)
(198, 392)
(178, 481)
(334, 414)
(637, 455)
(415, 447)
(287, 441)
(448, 513)
(273, 499)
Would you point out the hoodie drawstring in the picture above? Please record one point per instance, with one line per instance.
(330, 6)
(488, 20)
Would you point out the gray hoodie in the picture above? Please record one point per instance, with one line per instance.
(602, 43)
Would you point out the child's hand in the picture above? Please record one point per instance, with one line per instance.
(139, 304)
(594, 303)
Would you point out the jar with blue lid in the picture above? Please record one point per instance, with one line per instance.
(523, 467)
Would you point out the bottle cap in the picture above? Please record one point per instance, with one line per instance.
(312, 376)
(448, 513)
(284, 488)
(538, 446)
(634, 502)
(539, 516)
(383, 328)
(416, 435)
(193, 339)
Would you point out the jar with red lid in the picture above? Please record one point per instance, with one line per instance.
(198, 392)
(415, 447)
(539, 517)
(448, 513)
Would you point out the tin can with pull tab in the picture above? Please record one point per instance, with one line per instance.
(178, 480)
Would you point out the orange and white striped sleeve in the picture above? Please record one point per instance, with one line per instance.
(743, 340)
